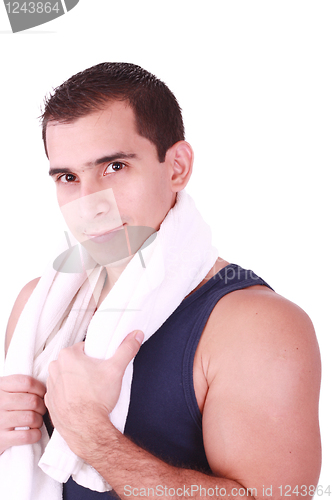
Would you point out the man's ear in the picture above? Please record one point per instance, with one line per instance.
(180, 160)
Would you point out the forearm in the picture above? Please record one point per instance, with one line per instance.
(133, 472)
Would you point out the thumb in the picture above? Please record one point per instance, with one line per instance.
(127, 350)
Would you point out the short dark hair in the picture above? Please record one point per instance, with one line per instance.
(157, 112)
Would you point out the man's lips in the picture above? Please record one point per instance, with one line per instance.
(104, 236)
(123, 241)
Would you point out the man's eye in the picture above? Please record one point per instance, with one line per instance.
(115, 166)
(67, 178)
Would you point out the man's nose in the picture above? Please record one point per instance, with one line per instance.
(95, 202)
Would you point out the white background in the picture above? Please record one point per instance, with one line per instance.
(254, 79)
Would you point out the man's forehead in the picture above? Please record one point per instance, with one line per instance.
(114, 125)
(113, 110)
(103, 132)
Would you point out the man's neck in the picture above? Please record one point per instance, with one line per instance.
(219, 264)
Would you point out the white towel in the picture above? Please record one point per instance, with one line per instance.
(142, 298)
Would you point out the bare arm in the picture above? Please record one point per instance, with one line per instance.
(21, 396)
(131, 470)
(260, 422)
(260, 417)
(18, 307)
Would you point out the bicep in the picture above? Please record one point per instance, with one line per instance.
(18, 307)
(260, 420)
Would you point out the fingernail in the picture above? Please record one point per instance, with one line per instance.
(139, 336)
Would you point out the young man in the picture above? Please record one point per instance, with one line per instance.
(224, 398)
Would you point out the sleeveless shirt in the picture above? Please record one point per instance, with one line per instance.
(164, 417)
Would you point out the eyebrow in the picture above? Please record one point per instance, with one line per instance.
(120, 155)
(55, 171)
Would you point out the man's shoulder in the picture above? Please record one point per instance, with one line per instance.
(18, 307)
(257, 309)
(256, 325)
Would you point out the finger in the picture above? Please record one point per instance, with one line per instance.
(127, 350)
(22, 383)
(21, 402)
(18, 438)
(11, 419)
(138, 335)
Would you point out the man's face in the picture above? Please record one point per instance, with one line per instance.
(107, 176)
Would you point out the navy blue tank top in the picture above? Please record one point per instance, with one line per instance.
(164, 417)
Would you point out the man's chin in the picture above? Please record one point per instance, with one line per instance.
(120, 246)
(108, 252)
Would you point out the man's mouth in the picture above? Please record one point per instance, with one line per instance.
(103, 236)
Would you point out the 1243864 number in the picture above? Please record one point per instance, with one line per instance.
(303, 491)
(32, 7)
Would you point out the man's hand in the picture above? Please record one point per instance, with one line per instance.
(21, 405)
(82, 391)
